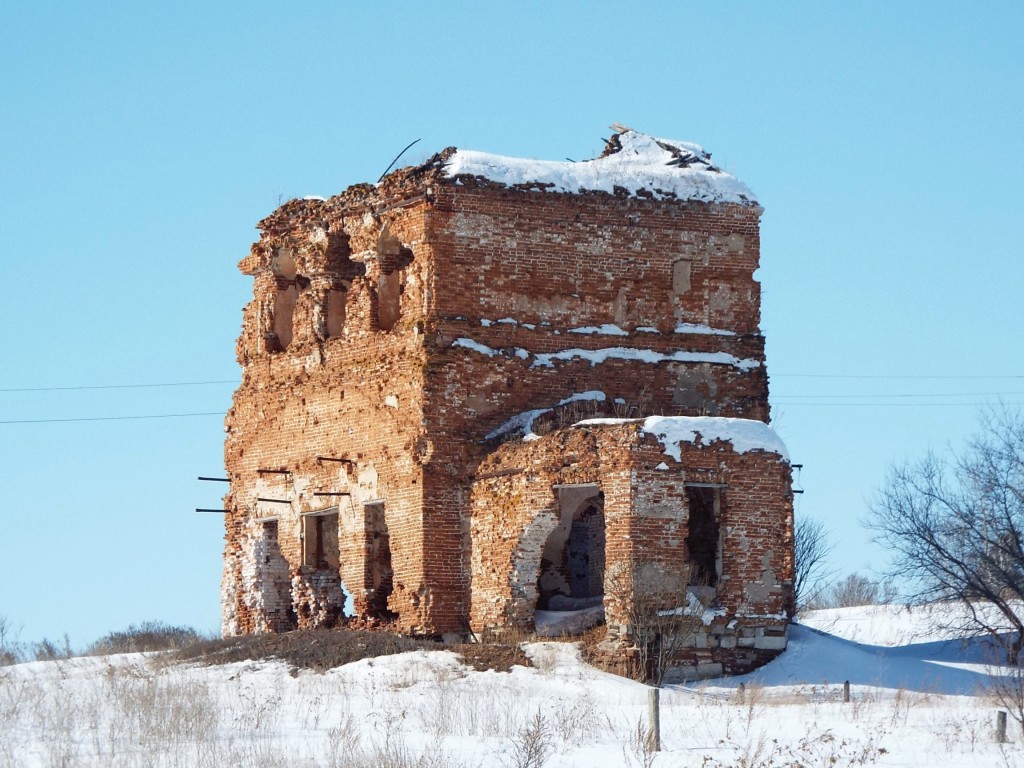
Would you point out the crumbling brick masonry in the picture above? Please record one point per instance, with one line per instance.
(480, 392)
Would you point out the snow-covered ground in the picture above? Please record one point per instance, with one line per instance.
(919, 698)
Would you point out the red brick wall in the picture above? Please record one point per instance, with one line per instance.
(409, 408)
(356, 397)
(515, 508)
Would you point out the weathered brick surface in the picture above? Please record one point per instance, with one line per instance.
(394, 328)
(516, 507)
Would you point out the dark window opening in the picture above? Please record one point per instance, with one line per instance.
(704, 539)
(285, 301)
(320, 541)
(284, 309)
(389, 300)
(379, 574)
(336, 312)
(270, 542)
(584, 553)
(320, 555)
(393, 258)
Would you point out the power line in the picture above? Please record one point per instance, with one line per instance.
(871, 376)
(112, 418)
(787, 403)
(773, 375)
(119, 386)
(222, 413)
(919, 394)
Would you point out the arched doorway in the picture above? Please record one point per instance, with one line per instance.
(571, 573)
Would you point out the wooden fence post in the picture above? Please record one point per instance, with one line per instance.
(654, 718)
(1001, 727)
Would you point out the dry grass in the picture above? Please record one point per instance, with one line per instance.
(315, 649)
(323, 649)
(497, 656)
(148, 636)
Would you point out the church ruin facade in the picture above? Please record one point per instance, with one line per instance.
(487, 391)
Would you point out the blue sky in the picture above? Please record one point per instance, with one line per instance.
(143, 141)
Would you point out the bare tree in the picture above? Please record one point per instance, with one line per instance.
(663, 613)
(855, 590)
(811, 548)
(11, 649)
(955, 528)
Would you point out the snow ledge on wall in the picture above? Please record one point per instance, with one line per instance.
(744, 434)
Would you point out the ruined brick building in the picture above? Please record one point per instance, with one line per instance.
(485, 388)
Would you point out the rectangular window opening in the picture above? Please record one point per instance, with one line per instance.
(320, 540)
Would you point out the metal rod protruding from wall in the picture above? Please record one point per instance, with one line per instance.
(331, 458)
(274, 501)
(218, 511)
(273, 471)
(330, 493)
(214, 479)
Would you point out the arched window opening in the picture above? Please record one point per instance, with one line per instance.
(283, 264)
(389, 300)
(393, 258)
(284, 310)
(336, 299)
(573, 560)
(286, 299)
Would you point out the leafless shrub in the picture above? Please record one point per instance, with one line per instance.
(493, 713)
(638, 407)
(393, 752)
(344, 743)
(856, 590)
(578, 721)
(148, 636)
(639, 751)
(959, 731)
(814, 748)
(11, 649)
(49, 650)
(752, 702)
(441, 711)
(1006, 687)
(660, 612)
(533, 745)
(159, 709)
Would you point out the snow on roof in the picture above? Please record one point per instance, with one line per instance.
(744, 434)
(663, 168)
